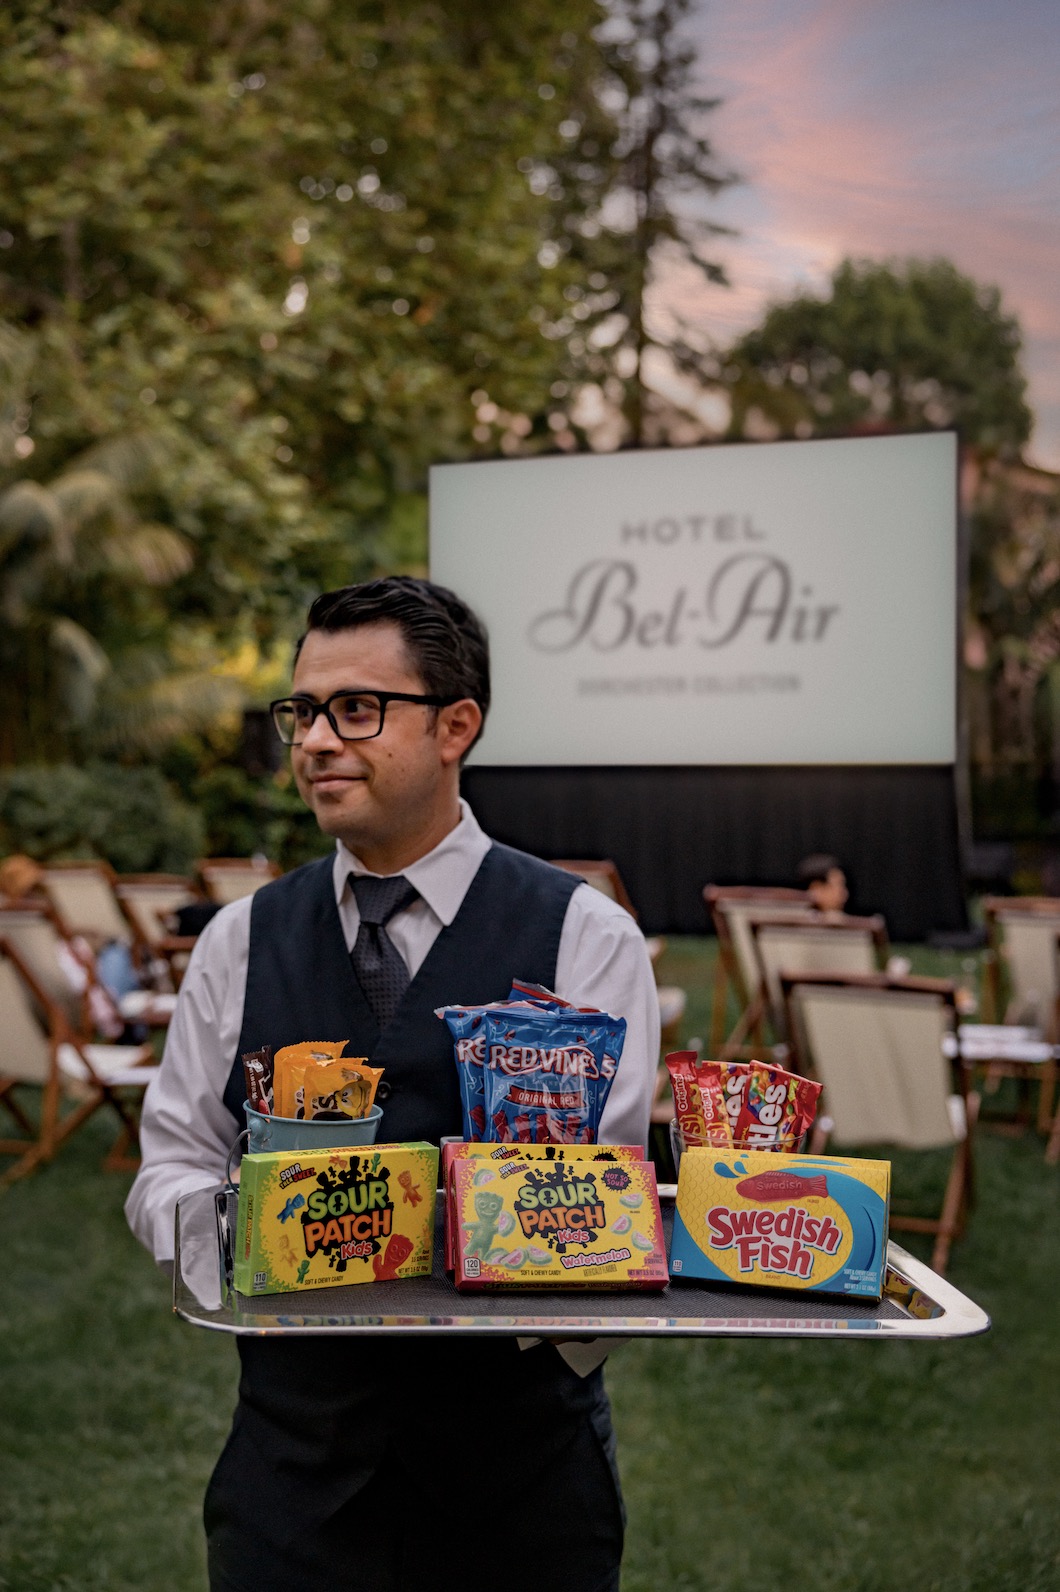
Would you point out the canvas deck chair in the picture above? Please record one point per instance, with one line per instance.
(82, 896)
(809, 943)
(736, 970)
(605, 877)
(1022, 984)
(148, 900)
(877, 1046)
(68, 976)
(227, 879)
(40, 1053)
(33, 929)
(1021, 970)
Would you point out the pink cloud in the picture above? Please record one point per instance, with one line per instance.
(877, 130)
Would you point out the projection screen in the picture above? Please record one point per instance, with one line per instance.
(771, 603)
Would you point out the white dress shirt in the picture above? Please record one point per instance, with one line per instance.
(187, 1131)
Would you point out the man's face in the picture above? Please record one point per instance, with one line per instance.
(385, 795)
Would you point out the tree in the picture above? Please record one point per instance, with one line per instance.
(295, 251)
(903, 345)
(664, 168)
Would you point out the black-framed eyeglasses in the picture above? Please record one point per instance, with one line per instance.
(353, 715)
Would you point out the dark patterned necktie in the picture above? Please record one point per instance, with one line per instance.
(377, 963)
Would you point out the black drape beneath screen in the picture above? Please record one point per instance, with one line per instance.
(670, 831)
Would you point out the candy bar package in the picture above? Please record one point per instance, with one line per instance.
(816, 1223)
(533, 1069)
(572, 1223)
(699, 1103)
(288, 1067)
(750, 1105)
(316, 1219)
(333, 1091)
(776, 1108)
(257, 1073)
(505, 1156)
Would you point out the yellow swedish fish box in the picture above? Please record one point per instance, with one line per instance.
(562, 1224)
(817, 1223)
(315, 1219)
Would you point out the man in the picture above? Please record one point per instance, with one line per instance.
(379, 1463)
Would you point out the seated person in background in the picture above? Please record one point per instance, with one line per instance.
(821, 876)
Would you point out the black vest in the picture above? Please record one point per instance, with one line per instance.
(301, 985)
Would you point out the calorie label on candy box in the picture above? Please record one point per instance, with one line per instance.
(817, 1223)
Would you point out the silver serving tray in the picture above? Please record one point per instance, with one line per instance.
(917, 1303)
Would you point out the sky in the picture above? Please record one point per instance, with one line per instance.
(890, 128)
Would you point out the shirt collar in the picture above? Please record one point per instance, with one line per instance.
(442, 877)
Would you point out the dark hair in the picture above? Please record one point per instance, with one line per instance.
(445, 640)
(816, 868)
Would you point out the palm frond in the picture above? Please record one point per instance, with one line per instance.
(155, 553)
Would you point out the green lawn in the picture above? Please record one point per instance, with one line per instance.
(848, 1467)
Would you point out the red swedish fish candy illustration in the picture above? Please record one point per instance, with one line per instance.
(770, 1186)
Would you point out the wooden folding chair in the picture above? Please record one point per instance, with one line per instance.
(148, 901)
(806, 943)
(605, 877)
(735, 969)
(228, 879)
(1022, 985)
(83, 897)
(39, 1050)
(602, 875)
(877, 1045)
(32, 927)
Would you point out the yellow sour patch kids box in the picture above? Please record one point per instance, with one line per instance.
(782, 1221)
(575, 1223)
(315, 1219)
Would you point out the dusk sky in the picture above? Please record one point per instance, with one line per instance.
(891, 127)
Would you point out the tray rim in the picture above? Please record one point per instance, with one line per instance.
(960, 1316)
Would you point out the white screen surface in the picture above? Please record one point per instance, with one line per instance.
(751, 604)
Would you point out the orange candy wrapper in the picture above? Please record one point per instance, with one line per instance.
(333, 1091)
(339, 1086)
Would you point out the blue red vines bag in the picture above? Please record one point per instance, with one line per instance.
(534, 1070)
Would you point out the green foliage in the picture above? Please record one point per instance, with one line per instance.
(130, 817)
(243, 816)
(909, 344)
(290, 240)
(292, 253)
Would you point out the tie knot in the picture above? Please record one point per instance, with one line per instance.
(379, 899)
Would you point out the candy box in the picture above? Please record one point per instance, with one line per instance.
(576, 1223)
(316, 1219)
(817, 1223)
(504, 1156)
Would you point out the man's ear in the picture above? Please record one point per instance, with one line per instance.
(458, 725)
